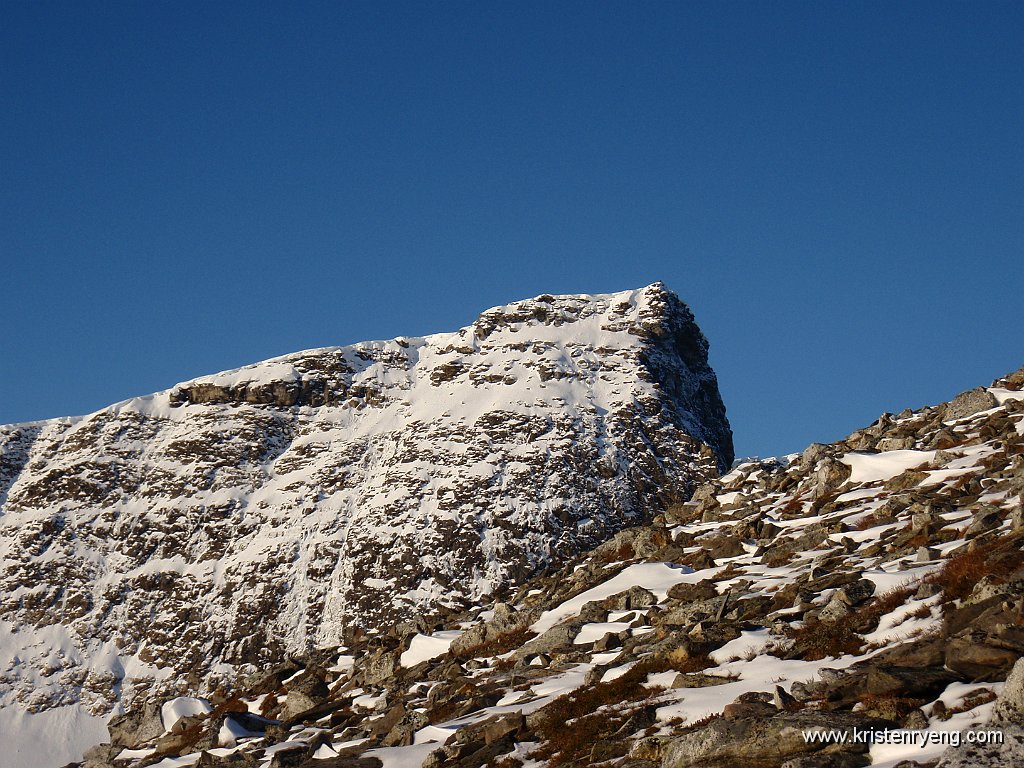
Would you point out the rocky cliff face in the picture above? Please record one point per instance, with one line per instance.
(242, 517)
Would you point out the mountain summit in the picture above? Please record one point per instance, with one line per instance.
(265, 511)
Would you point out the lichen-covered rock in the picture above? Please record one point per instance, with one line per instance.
(764, 741)
(968, 403)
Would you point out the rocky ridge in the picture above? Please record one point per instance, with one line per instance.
(875, 584)
(173, 542)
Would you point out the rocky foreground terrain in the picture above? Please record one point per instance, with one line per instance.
(876, 583)
(176, 542)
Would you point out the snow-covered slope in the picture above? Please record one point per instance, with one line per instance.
(238, 518)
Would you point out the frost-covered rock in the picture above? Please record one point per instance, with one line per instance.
(238, 518)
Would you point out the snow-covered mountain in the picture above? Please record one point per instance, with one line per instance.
(236, 519)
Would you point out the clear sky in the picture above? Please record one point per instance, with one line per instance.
(837, 189)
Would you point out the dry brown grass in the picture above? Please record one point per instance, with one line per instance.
(872, 520)
(703, 721)
(889, 705)
(975, 699)
(878, 606)
(503, 643)
(793, 506)
(922, 612)
(997, 559)
(820, 639)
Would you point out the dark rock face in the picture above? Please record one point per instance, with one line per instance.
(241, 517)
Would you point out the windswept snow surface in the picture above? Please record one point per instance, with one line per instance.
(47, 739)
(877, 467)
(183, 706)
(425, 647)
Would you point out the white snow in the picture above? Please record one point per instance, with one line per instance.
(231, 731)
(616, 672)
(590, 633)
(760, 674)
(411, 756)
(183, 706)
(656, 577)
(178, 762)
(748, 642)
(426, 647)
(259, 373)
(886, 581)
(1002, 395)
(367, 701)
(879, 467)
(49, 738)
(888, 755)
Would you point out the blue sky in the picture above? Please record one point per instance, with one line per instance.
(836, 189)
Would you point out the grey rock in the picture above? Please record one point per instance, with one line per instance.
(762, 740)
(1010, 707)
(968, 403)
(304, 692)
(559, 637)
(827, 760)
(136, 728)
(1009, 753)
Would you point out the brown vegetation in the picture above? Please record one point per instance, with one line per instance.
(961, 572)
(503, 643)
(578, 726)
(820, 639)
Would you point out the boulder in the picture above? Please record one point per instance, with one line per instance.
(915, 682)
(968, 403)
(1009, 753)
(1010, 707)
(304, 693)
(134, 729)
(765, 741)
(829, 475)
(559, 638)
(688, 593)
(978, 654)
